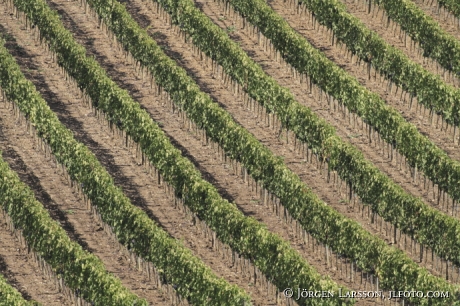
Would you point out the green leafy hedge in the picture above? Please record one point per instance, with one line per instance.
(436, 42)
(325, 223)
(430, 90)
(452, 5)
(386, 198)
(418, 149)
(375, 188)
(272, 255)
(10, 296)
(133, 228)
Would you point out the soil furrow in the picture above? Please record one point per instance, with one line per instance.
(68, 208)
(230, 186)
(23, 273)
(344, 128)
(19, 267)
(446, 20)
(183, 53)
(441, 137)
(308, 173)
(60, 199)
(374, 22)
(136, 183)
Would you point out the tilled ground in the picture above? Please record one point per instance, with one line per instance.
(145, 16)
(391, 35)
(231, 187)
(302, 93)
(135, 182)
(343, 128)
(50, 188)
(320, 40)
(21, 271)
(67, 207)
(443, 18)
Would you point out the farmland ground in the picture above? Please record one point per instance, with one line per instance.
(320, 41)
(135, 182)
(67, 207)
(61, 201)
(230, 187)
(444, 19)
(392, 36)
(182, 53)
(301, 91)
(21, 271)
(344, 129)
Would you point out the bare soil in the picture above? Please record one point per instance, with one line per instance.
(443, 18)
(68, 208)
(21, 271)
(302, 93)
(344, 129)
(392, 36)
(231, 187)
(319, 40)
(51, 189)
(135, 182)
(173, 46)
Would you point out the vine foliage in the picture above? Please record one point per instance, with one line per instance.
(272, 255)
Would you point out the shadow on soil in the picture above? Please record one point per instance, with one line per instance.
(119, 78)
(5, 271)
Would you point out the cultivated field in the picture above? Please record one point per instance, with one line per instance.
(218, 152)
